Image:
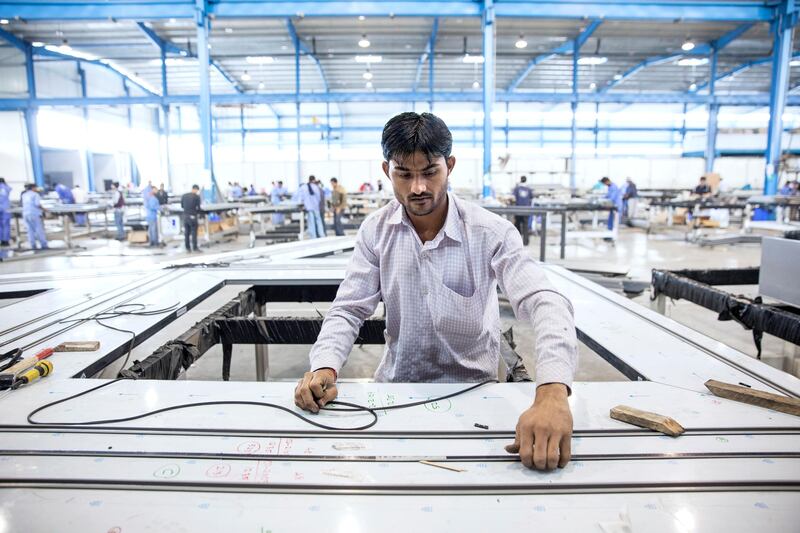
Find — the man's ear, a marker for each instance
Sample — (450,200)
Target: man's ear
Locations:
(451,162)
(385,166)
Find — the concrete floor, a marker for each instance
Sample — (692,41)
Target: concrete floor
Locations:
(634,252)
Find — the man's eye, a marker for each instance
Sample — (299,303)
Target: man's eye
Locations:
(430,174)
(405,176)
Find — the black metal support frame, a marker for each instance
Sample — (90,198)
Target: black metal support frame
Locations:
(697,286)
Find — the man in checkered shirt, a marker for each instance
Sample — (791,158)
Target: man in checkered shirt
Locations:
(436,261)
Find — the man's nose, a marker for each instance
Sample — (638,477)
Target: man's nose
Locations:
(418,186)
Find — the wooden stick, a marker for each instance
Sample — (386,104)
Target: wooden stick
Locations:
(446,467)
(87,346)
(784,404)
(662,424)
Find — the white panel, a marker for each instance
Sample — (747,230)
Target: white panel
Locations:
(14,154)
(57,79)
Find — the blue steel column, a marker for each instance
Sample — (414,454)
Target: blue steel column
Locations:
(488,93)
(30,120)
(430,69)
(165,112)
(88,152)
(134,170)
(204,103)
(573,160)
(782,50)
(298,146)
(713,110)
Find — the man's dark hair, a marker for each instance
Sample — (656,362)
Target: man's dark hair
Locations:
(30,186)
(410,132)
(334,180)
(280,183)
(2,180)
(523,179)
(702,178)
(197,187)
(605,180)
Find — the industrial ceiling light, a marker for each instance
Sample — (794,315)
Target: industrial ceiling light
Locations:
(687,46)
(369,59)
(617,77)
(367,75)
(521,42)
(260,60)
(592,86)
(261,85)
(692,61)
(228,30)
(472,59)
(4,21)
(592,60)
(364,42)
(246,76)
(368,85)
(693,87)
(476,85)
(37,44)
(361,17)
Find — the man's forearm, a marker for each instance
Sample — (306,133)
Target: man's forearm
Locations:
(335,340)
(556,341)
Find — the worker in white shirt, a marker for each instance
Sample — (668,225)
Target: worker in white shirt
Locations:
(436,261)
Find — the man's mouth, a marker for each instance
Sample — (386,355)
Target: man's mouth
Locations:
(419,199)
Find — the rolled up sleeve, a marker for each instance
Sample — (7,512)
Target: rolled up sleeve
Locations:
(534,299)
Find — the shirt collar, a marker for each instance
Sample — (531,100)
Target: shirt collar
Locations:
(452,224)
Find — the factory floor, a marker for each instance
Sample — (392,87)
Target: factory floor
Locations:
(635,253)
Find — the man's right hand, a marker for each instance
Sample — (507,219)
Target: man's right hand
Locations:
(315,390)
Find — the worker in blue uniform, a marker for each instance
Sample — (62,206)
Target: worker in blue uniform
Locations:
(614,193)
(276,196)
(152,206)
(5,213)
(32,211)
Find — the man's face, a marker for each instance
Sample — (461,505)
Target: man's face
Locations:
(419,184)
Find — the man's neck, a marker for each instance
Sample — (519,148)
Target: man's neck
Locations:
(428,226)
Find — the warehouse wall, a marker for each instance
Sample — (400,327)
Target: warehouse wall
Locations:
(14,155)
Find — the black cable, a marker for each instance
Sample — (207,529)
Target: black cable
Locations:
(348,407)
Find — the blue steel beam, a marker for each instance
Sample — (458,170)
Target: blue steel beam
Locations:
(41,51)
(731,10)
(428,53)
(565,48)
(9,104)
(713,111)
(204,102)
(739,68)
(89,158)
(701,49)
(782,51)
(488,27)
(304,49)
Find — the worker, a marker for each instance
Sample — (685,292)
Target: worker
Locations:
(786,190)
(523,196)
(118,203)
(630,195)
(322,203)
(613,193)
(436,261)
(152,208)
(236,191)
(190,202)
(252,191)
(276,195)
(32,211)
(338,204)
(162,195)
(80,198)
(310,196)
(146,191)
(5,213)
(702,187)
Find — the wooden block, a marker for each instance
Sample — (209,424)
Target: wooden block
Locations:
(662,424)
(87,346)
(737,393)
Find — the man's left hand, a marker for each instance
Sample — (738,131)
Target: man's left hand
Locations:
(544,430)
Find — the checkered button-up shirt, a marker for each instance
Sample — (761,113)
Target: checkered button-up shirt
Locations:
(442,313)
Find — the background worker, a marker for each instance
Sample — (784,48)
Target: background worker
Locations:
(118,203)
(5,213)
(190,202)
(310,195)
(338,204)
(436,262)
(276,196)
(614,193)
(152,207)
(32,212)
(162,195)
(523,196)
